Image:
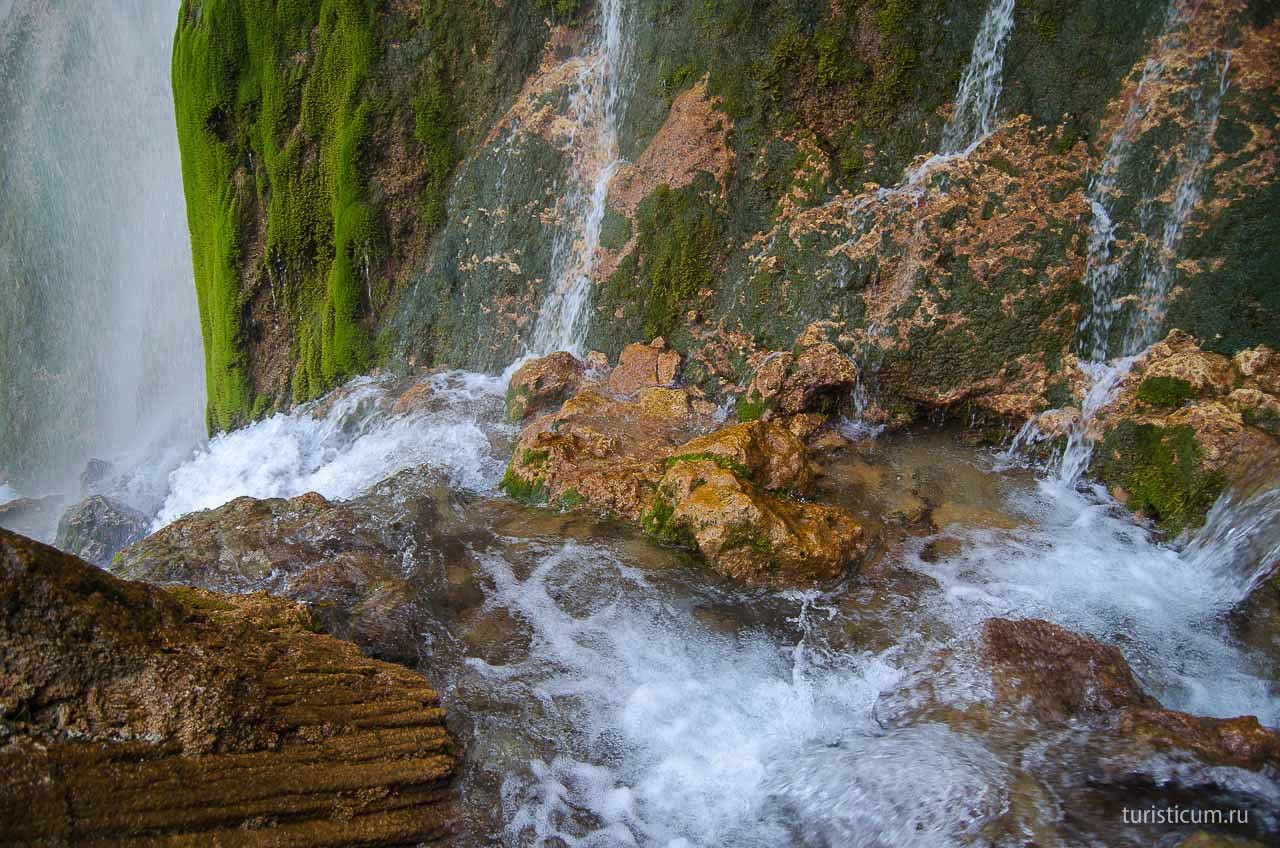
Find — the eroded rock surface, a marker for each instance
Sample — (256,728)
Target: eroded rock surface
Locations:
(97,528)
(543,383)
(135,715)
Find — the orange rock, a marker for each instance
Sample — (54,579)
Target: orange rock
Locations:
(641,366)
(543,383)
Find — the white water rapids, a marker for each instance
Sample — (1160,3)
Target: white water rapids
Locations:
(635,719)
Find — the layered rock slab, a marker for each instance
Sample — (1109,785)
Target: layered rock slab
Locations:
(139,716)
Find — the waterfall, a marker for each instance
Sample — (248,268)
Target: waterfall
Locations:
(99,331)
(973,118)
(1147,264)
(597,104)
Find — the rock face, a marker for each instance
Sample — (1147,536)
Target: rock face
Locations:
(136,714)
(303,548)
(31,516)
(1057,675)
(97,528)
(1183,424)
(729,493)
(543,383)
(814,377)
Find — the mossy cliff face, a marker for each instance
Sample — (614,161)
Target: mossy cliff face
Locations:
(317,139)
(757,141)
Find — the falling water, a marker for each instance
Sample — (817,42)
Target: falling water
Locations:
(1152,262)
(973,118)
(99,330)
(597,105)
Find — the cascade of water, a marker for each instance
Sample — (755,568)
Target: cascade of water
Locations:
(597,108)
(99,330)
(974,116)
(1105,269)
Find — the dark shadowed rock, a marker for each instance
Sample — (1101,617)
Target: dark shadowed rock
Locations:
(133,714)
(95,476)
(97,528)
(304,548)
(35,517)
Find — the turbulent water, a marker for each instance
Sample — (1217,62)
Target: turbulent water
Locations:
(638,700)
(597,105)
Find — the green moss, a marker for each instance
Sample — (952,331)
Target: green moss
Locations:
(744,535)
(1160,469)
(534,457)
(192,599)
(660,522)
(571,498)
(527,491)
(676,242)
(1165,391)
(434,131)
(724,462)
(751,408)
(271,115)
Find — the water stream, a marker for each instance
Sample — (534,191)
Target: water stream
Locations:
(597,106)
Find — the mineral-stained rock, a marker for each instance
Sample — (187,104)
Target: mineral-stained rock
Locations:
(304,548)
(1183,424)
(98,527)
(603,453)
(765,452)
(746,533)
(1055,675)
(641,366)
(813,378)
(96,473)
(543,383)
(133,715)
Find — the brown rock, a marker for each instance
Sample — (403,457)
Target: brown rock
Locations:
(766,452)
(602,453)
(641,366)
(304,548)
(749,535)
(414,399)
(949,513)
(1237,742)
(542,384)
(812,379)
(133,714)
(1056,674)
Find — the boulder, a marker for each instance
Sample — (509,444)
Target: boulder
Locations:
(35,517)
(642,366)
(542,384)
(603,453)
(305,549)
(97,528)
(131,713)
(765,452)
(1053,674)
(96,475)
(746,533)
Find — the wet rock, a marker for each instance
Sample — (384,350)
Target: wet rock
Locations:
(1055,674)
(34,517)
(1203,839)
(815,377)
(602,453)
(544,383)
(303,548)
(189,717)
(1184,424)
(416,398)
(641,366)
(767,453)
(97,528)
(748,534)
(96,474)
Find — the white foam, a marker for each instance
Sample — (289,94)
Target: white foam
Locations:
(669,733)
(8,493)
(1083,563)
(354,445)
